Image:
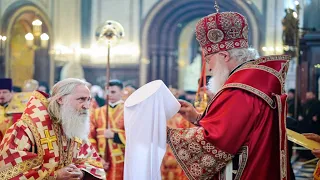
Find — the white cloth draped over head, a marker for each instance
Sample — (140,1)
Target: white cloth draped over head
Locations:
(145,114)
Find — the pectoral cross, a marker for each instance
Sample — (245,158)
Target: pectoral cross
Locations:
(48,139)
(79,141)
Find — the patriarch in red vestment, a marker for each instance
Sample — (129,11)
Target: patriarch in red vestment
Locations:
(241,134)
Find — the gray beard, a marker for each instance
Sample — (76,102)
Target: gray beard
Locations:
(74,124)
(218,80)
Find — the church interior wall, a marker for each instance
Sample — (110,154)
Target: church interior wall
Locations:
(67,22)
(19,61)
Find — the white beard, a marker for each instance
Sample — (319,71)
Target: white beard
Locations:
(220,75)
(74,123)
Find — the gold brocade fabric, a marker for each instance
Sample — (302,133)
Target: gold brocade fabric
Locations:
(18,102)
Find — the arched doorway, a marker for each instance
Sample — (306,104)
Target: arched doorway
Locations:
(162,29)
(23,62)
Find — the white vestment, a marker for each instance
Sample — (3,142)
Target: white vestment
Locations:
(145,114)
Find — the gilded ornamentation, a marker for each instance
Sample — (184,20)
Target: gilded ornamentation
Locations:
(26,119)
(48,139)
(243,153)
(215,35)
(28,164)
(233,33)
(42,98)
(252,90)
(95,163)
(222,31)
(245,32)
(196,155)
(20,168)
(283,153)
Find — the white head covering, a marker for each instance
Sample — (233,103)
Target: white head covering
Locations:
(145,114)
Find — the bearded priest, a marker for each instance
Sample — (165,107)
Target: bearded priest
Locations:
(51,139)
(242,133)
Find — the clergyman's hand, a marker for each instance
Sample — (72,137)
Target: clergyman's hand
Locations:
(109,134)
(314,137)
(105,165)
(69,172)
(188,111)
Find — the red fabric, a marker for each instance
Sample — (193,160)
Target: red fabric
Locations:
(16,117)
(270,83)
(222,31)
(247,117)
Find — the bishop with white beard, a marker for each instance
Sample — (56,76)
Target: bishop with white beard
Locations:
(242,133)
(51,139)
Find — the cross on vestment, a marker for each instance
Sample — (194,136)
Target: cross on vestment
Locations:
(234,33)
(48,139)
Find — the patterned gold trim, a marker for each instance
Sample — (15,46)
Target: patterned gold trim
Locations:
(20,168)
(244,153)
(280,134)
(285,125)
(271,58)
(95,163)
(266,69)
(209,104)
(41,97)
(263,68)
(252,90)
(283,154)
(57,130)
(80,160)
(282,71)
(26,119)
(28,164)
(117,155)
(197,157)
(92,140)
(70,153)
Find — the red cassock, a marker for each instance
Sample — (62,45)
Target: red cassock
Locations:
(244,124)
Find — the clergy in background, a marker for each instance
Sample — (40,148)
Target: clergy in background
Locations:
(5,98)
(242,133)
(50,141)
(11,105)
(110,136)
